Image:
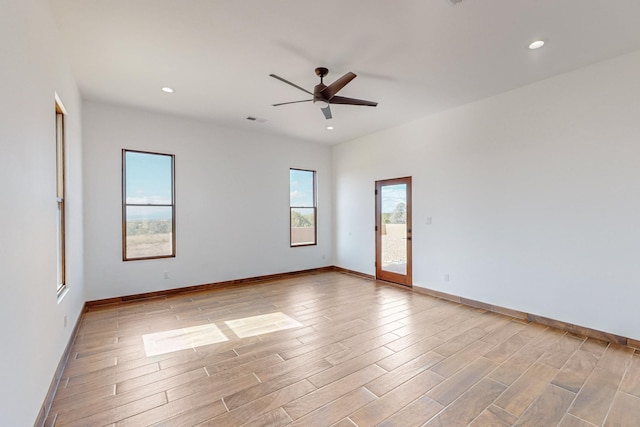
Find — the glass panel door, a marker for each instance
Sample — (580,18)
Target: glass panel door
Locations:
(393,230)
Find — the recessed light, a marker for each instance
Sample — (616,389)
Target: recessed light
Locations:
(536,44)
(167,90)
(329,127)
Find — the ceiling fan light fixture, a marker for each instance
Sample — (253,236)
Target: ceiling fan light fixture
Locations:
(320,103)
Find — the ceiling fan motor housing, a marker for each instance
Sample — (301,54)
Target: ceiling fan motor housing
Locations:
(317,92)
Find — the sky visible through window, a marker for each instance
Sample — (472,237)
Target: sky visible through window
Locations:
(392,195)
(148,181)
(301,188)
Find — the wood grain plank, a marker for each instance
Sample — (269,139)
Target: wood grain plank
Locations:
(549,408)
(276,418)
(245,396)
(394,378)
(461,341)
(576,371)
(571,421)
(503,333)
(631,381)
(403,356)
(390,403)
(595,397)
(526,389)
(276,370)
(504,350)
(359,349)
(114,414)
(494,416)
(261,406)
(346,422)
(454,363)
(338,409)
(516,365)
(338,371)
(451,388)
(212,404)
(312,401)
(558,354)
(624,412)
(414,414)
(212,387)
(469,405)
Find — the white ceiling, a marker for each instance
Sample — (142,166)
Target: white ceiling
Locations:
(415,57)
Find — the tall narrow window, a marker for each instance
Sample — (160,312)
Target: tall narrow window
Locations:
(60,198)
(302,207)
(148,208)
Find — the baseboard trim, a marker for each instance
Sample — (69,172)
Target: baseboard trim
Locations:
(55,382)
(203,287)
(558,324)
(353,273)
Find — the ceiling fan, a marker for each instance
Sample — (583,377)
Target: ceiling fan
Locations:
(324,95)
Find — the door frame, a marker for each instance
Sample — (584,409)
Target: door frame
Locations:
(381,274)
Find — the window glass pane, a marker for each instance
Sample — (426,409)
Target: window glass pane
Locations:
(303,230)
(60,235)
(393,240)
(59,156)
(149,231)
(148,178)
(301,188)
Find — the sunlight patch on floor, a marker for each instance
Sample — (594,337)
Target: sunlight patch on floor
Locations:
(262,324)
(182,339)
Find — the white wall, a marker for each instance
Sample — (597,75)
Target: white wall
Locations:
(232,202)
(534,195)
(33,332)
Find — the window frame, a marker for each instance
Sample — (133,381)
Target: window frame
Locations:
(61,267)
(125,205)
(315,210)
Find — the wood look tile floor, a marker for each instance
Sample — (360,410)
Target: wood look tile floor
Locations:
(329,349)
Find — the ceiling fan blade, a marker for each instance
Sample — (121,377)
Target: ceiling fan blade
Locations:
(334,87)
(289,83)
(292,102)
(351,101)
(327,112)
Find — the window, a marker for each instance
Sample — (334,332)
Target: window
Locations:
(302,207)
(60,198)
(148,208)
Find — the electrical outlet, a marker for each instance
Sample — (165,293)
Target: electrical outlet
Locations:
(65,322)
(428,221)
(446,278)
(166,274)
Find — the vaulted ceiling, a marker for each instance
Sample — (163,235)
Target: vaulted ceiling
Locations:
(414,57)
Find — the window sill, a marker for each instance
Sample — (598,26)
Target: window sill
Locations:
(63,292)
